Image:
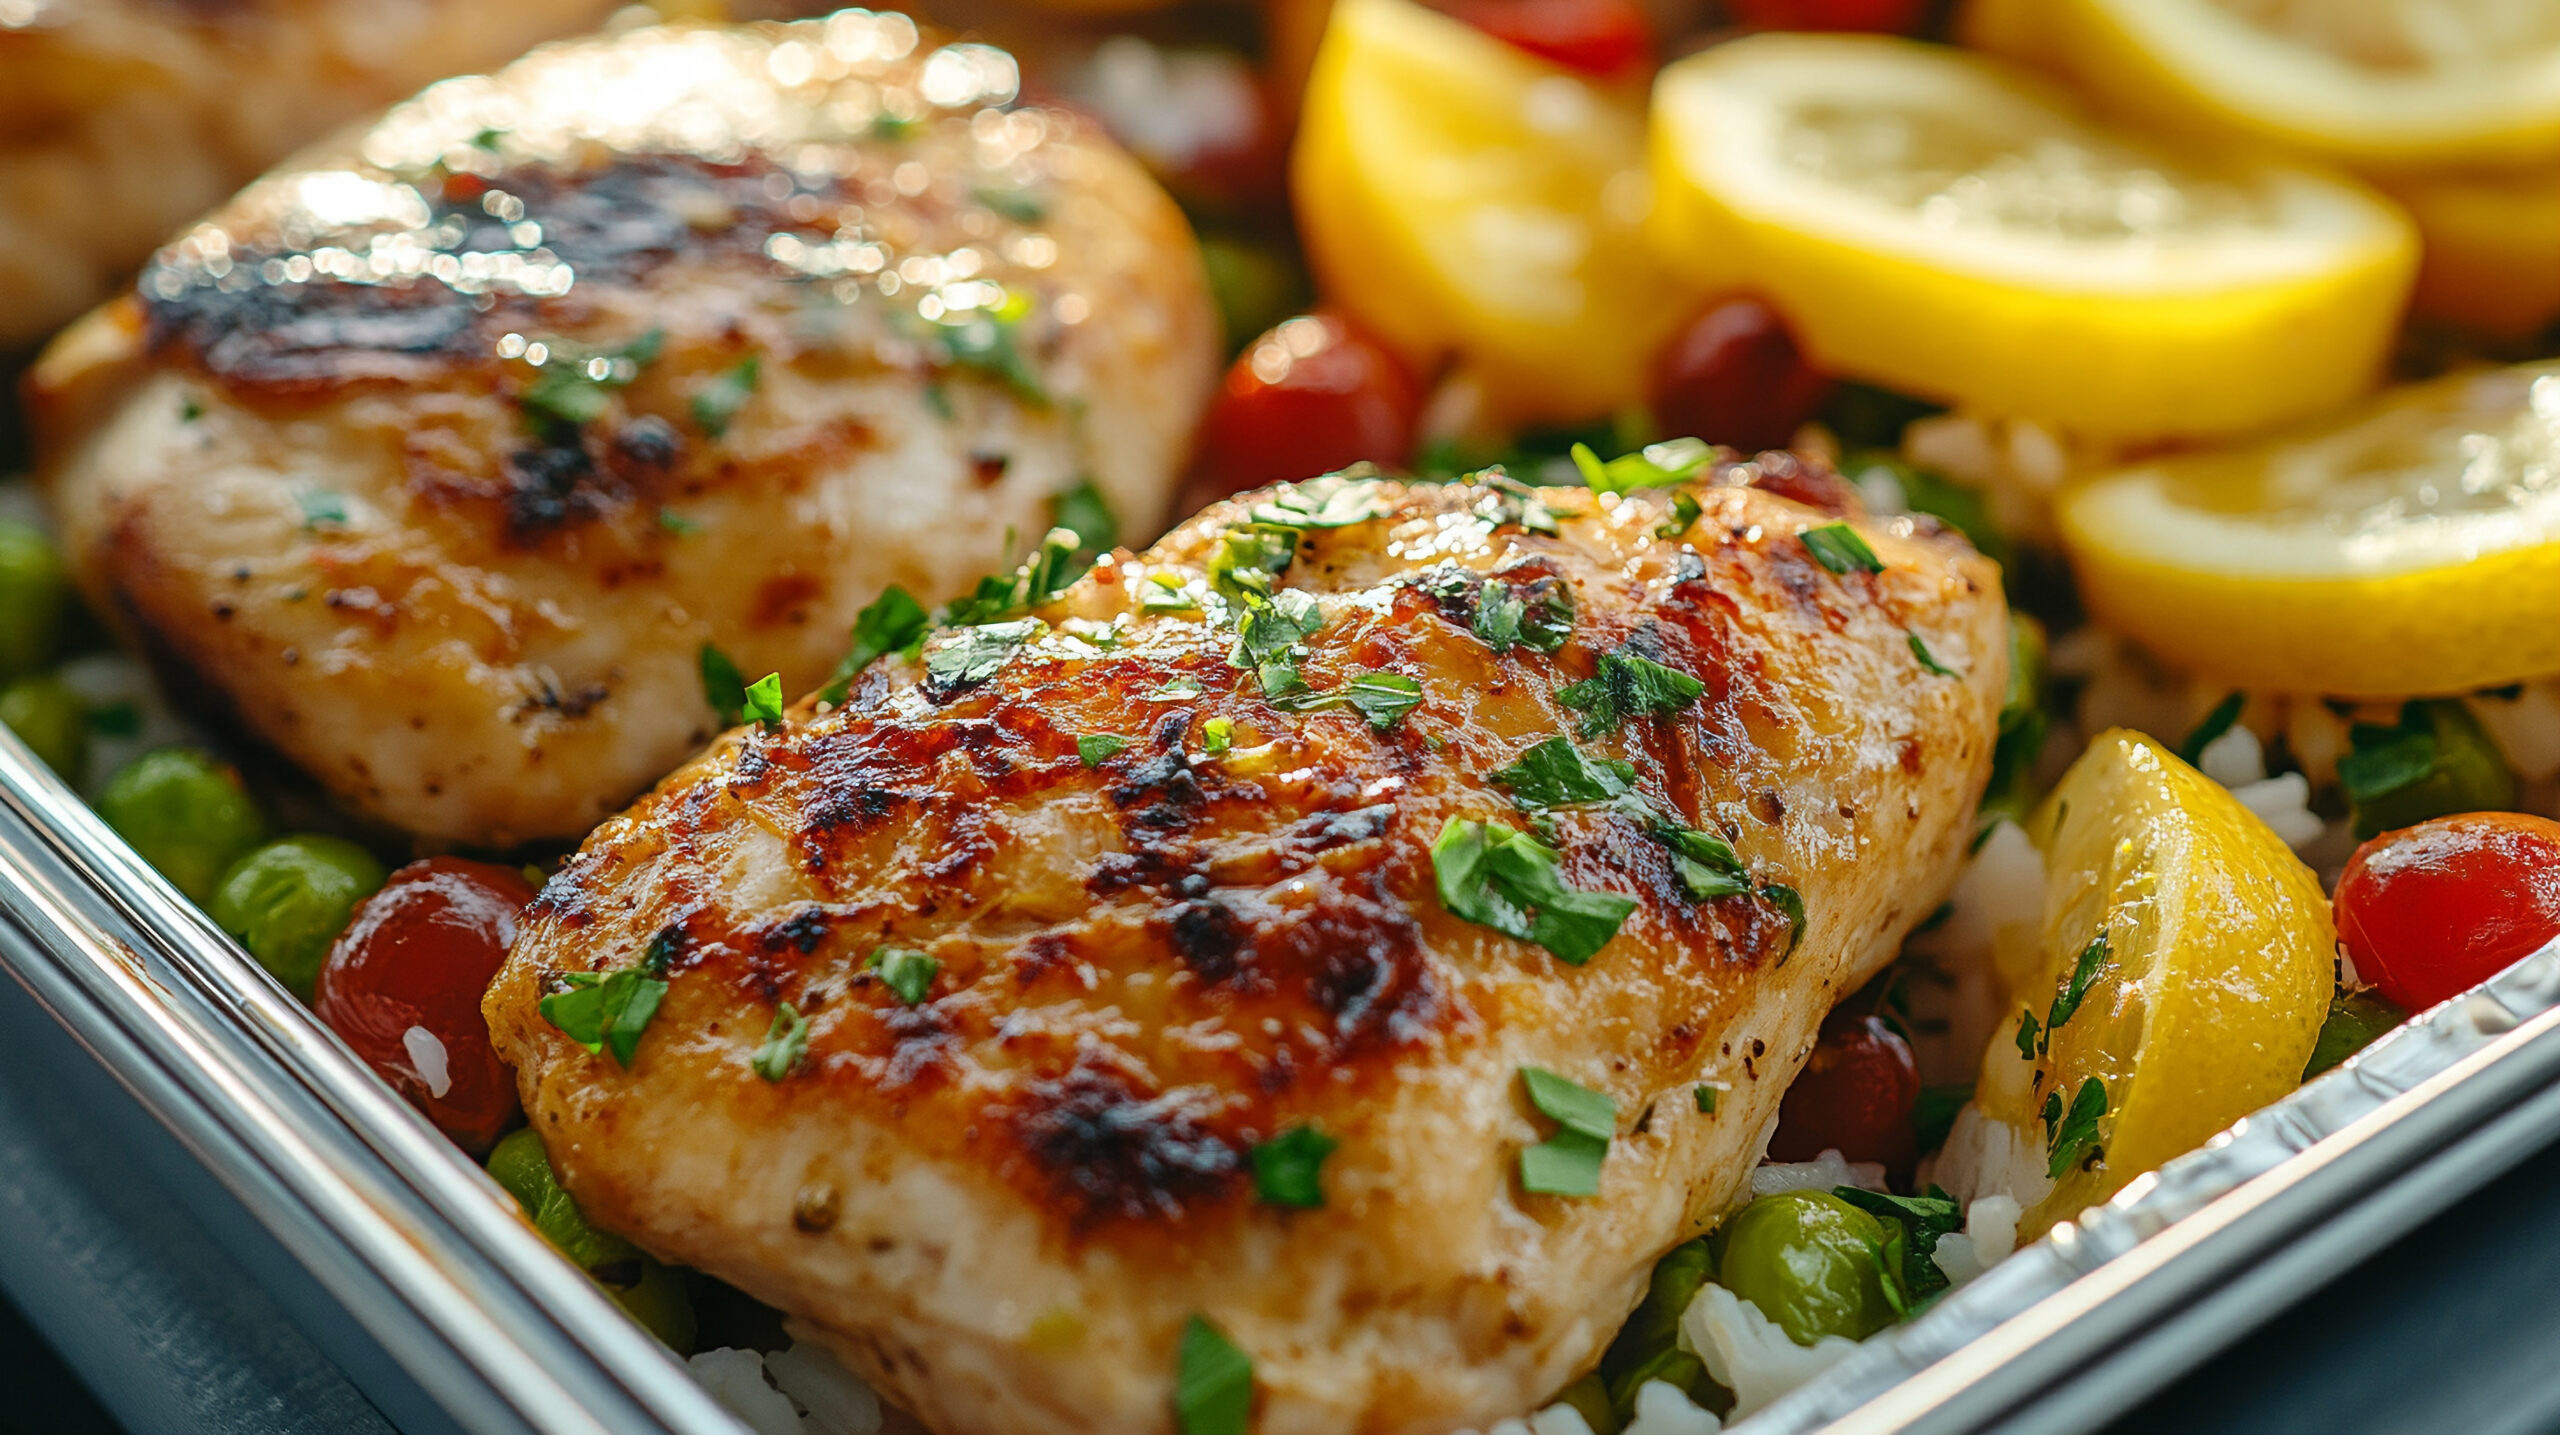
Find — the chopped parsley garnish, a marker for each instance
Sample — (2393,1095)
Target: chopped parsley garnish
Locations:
(1567,1163)
(1708,867)
(1504,618)
(1684,516)
(1706,1093)
(1838,547)
(2436,760)
(1790,905)
(1174,690)
(2225,714)
(670,521)
(575,387)
(1514,502)
(1044,575)
(764,701)
(1217,735)
(1249,557)
(1929,661)
(905,971)
(717,403)
(2071,1136)
(2075,987)
(723,686)
(1084,512)
(786,1044)
(1652,466)
(1382,698)
(1166,593)
(990,341)
(1918,1223)
(1286,1168)
(1629,685)
(1337,500)
(321,509)
(967,657)
(607,1011)
(1268,632)
(1212,1383)
(1505,879)
(1096,748)
(888,623)
(1555,773)
(2030,1043)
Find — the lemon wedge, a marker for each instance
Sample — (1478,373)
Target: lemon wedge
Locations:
(1464,200)
(1942,224)
(2403,84)
(2187,971)
(2410,547)
(2492,244)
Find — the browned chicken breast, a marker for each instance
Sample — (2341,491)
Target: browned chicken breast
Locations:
(437,456)
(122,119)
(1110,955)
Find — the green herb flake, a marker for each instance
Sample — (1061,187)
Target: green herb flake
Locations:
(2076,1137)
(575,386)
(1174,690)
(1212,1383)
(2030,1044)
(1706,1093)
(2075,986)
(905,971)
(969,656)
(116,719)
(1508,880)
(1166,593)
(1790,904)
(608,1011)
(1084,512)
(1574,1107)
(888,623)
(1654,465)
(764,701)
(1096,748)
(1217,735)
(1684,516)
(1567,1163)
(989,341)
(1540,621)
(1287,1168)
(1629,685)
(717,404)
(1838,547)
(1929,661)
(1337,500)
(1917,1224)
(2224,716)
(723,686)
(1382,698)
(1249,557)
(786,1044)
(1555,773)
(321,510)
(1269,630)
(1040,578)
(670,521)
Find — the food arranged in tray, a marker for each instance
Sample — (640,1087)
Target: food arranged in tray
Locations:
(1803,637)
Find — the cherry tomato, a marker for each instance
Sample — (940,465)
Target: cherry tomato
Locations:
(1894,17)
(1606,39)
(1310,396)
(1733,375)
(1855,1097)
(2432,910)
(403,985)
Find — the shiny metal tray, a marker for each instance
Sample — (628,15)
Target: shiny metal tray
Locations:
(416,1255)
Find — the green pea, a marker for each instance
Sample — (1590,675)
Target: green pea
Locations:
(50,718)
(2355,1019)
(651,1291)
(35,600)
(287,901)
(1809,1261)
(186,813)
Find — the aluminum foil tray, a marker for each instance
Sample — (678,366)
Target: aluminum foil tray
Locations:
(416,1256)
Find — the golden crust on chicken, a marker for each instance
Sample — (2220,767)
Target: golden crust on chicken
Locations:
(1335,812)
(437,456)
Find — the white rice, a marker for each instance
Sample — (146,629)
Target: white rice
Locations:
(1822,1173)
(1750,1354)
(798,1390)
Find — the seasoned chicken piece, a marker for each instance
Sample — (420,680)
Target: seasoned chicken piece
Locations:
(122,119)
(437,456)
(1088,933)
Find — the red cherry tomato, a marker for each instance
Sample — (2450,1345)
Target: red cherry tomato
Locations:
(1733,375)
(403,986)
(1310,396)
(1606,39)
(1855,1097)
(2433,910)
(1895,17)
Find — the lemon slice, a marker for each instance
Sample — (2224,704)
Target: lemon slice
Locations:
(1465,200)
(1939,223)
(2205,998)
(2413,547)
(2492,244)
(2392,83)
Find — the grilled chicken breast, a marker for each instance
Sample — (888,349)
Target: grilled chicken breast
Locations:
(437,456)
(1169,918)
(122,119)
